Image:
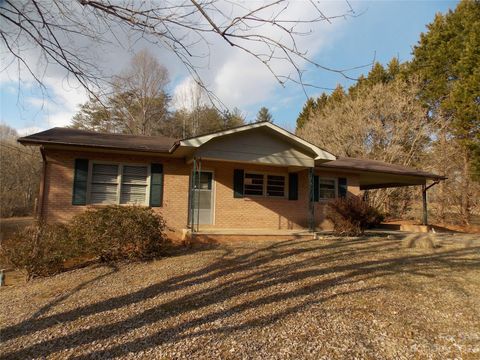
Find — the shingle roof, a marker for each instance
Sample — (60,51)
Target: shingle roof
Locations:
(378,166)
(68,136)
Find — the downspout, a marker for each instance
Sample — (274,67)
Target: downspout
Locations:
(424,201)
(43,186)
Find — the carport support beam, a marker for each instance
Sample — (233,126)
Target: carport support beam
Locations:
(424,201)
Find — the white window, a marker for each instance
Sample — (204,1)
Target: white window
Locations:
(264,185)
(327,188)
(119,184)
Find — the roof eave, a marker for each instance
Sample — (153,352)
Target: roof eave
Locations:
(24,141)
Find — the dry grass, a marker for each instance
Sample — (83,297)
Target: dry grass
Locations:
(328,298)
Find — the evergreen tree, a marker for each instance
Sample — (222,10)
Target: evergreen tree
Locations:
(306,112)
(337,95)
(393,69)
(447,59)
(94,116)
(264,115)
(233,118)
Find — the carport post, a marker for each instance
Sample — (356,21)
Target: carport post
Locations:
(424,201)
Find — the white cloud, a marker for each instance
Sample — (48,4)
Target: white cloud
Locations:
(241,80)
(29,130)
(235,77)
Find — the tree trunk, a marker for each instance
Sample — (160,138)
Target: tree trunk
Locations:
(465,211)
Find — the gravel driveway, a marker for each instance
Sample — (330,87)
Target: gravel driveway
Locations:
(328,298)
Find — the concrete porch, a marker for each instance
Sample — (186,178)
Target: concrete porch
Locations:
(235,235)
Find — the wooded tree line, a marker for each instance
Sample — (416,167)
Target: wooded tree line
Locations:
(424,112)
(19,175)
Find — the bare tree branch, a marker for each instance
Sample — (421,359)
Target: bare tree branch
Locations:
(185,28)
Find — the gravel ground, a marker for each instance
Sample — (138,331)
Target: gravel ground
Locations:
(328,298)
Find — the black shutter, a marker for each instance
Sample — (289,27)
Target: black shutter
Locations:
(316,190)
(156,185)
(342,187)
(293,186)
(238,183)
(79,196)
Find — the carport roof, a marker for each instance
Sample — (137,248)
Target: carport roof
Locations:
(374,174)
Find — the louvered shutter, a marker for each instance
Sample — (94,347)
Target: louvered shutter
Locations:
(342,187)
(316,190)
(238,183)
(79,196)
(293,186)
(156,185)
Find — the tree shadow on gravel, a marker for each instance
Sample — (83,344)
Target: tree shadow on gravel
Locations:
(307,272)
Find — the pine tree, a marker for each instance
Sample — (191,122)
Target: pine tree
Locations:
(447,59)
(264,115)
(337,95)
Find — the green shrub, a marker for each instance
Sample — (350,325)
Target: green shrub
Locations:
(109,233)
(351,216)
(119,232)
(39,249)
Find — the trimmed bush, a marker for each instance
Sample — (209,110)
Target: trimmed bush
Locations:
(119,232)
(351,216)
(109,233)
(39,249)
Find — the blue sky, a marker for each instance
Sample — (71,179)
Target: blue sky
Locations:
(384,29)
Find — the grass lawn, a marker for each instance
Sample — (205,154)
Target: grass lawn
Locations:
(328,298)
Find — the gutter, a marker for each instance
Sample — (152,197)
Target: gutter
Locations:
(26,142)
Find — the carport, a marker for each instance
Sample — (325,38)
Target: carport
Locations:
(375,174)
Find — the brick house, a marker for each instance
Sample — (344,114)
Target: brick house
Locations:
(256,177)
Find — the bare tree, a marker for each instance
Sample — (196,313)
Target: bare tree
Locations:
(383,122)
(137,105)
(19,175)
(189,100)
(140,101)
(185,28)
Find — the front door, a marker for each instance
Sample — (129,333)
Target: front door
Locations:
(202,201)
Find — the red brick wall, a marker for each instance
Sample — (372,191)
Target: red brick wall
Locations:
(230,212)
(59,184)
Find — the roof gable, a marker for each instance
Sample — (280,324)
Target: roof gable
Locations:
(316,152)
(255,146)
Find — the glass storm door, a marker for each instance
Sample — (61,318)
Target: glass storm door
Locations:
(202,198)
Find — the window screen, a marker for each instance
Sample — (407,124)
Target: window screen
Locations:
(253,184)
(328,188)
(275,185)
(114,184)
